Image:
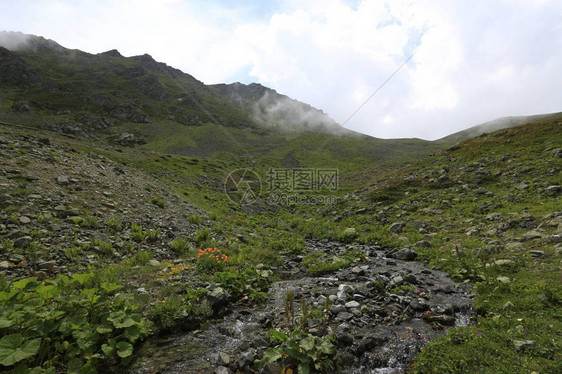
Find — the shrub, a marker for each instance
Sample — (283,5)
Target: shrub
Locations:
(152,235)
(70,324)
(159,203)
(195,219)
(298,349)
(89,222)
(137,234)
(114,224)
(211,260)
(179,244)
(202,235)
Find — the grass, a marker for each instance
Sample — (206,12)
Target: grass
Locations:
(436,212)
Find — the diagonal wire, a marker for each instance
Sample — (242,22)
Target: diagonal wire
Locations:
(327,136)
(378,89)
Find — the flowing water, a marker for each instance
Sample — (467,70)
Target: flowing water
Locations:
(378,332)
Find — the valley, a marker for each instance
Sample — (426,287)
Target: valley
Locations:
(122,248)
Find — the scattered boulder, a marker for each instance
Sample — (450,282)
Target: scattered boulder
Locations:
(406,254)
(396,227)
(23,241)
(523,345)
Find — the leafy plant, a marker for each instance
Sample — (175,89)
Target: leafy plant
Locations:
(114,224)
(195,219)
(211,260)
(152,235)
(179,244)
(300,352)
(89,222)
(202,235)
(137,233)
(158,202)
(67,322)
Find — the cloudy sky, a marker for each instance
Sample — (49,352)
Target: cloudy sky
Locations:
(473,61)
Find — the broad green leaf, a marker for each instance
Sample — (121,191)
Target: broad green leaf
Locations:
(326,347)
(82,278)
(77,321)
(107,349)
(20,369)
(5,323)
(127,322)
(46,291)
(23,283)
(307,343)
(270,356)
(276,336)
(124,349)
(110,287)
(14,348)
(132,333)
(104,329)
(33,303)
(304,369)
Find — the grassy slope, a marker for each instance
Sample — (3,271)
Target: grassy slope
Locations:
(439,214)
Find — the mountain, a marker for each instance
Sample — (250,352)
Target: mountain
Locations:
(163,252)
(494,125)
(106,95)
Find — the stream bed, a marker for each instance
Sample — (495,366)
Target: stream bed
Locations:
(382,310)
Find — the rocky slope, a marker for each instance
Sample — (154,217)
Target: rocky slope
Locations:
(66,206)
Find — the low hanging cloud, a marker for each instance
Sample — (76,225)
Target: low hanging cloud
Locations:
(289,115)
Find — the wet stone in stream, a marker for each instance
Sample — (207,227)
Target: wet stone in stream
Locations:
(376,330)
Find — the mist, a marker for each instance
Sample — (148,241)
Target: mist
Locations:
(288,115)
(18,41)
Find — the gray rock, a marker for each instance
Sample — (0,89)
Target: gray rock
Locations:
(553,190)
(246,359)
(522,345)
(410,278)
(337,309)
(531,235)
(63,180)
(47,265)
(154,263)
(22,241)
(522,186)
(352,304)
(222,370)
(5,265)
(223,359)
(396,227)
(442,319)
(346,288)
(218,298)
(344,316)
(24,220)
(504,262)
(503,279)
(537,253)
(343,339)
(397,280)
(406,255)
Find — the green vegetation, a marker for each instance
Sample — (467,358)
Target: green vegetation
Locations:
(179,244)
(195,219)
(74,323)
(202,235)
(470,210)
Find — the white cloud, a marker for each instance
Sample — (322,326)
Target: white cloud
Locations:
(474,61)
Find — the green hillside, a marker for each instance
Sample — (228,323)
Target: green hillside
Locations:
(211,240)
